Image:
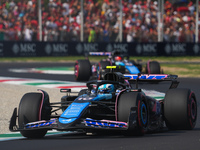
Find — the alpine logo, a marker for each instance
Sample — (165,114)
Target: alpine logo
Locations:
(104,123)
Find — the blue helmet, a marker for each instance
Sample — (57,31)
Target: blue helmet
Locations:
(106,88)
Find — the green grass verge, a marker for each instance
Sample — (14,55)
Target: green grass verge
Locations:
(182,70)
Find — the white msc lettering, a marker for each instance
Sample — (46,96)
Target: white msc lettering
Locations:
(178,47)
(90,47)
(60,48)
(121,47)
(149,48)
(28,48)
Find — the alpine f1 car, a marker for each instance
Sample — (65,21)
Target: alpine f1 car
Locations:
(111,104)
(83,69)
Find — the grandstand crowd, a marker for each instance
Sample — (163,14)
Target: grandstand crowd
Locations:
(61,21)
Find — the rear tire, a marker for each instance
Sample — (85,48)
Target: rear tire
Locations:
(101,69)
(180,109)
(125,102)
(33,107)
(153,67)
(82,70)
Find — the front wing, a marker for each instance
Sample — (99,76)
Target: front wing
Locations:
(83,123)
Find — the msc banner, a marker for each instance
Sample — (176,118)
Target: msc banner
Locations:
(39,49)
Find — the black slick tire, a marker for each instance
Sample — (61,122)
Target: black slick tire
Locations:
(127,101)
(180,109)
(82,70)
(153,67)
(33,107)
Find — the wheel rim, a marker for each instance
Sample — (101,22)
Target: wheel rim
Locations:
(76,70)
(193,109)
(144,116)
(98,72)
(148,67)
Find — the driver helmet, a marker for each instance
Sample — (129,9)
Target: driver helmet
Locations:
(118,58)
(106,88)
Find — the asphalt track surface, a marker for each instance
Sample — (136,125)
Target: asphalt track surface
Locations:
(165,140)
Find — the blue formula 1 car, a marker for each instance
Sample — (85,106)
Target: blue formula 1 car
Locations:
(111,104)
(83,69)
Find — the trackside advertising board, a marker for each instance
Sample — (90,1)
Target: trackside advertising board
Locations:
(40,49)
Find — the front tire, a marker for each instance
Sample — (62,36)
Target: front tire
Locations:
(180,109)
(33,107)
(130,100)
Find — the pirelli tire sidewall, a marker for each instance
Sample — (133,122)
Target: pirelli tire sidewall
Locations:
(180,109)
(153,67)
(33,107)
(125,102)
(82,70)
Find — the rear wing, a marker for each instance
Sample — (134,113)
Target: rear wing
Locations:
(100,53)
(138,78)
(115,53)
(152,78)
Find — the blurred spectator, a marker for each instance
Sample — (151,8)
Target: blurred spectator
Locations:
(2,29)
(114,34)
(92,35)
(166,36)
(61,20)
(28,33)
(62,33)
(99,33)
(153,35)
(106,33)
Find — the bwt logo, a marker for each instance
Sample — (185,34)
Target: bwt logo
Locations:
(86,47)
(24,48)
(56,48)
